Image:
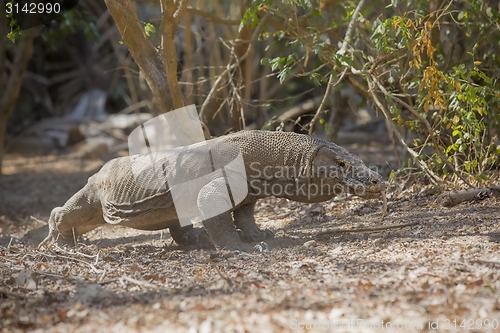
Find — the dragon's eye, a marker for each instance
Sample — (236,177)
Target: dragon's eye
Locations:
(342,164)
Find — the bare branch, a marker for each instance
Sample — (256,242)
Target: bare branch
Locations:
(211,17)
(233,65)
(299,110)
(187,73)
(424,121)
(141,283)
(456,197)
(433,177)
(321,107)
(350,28)
(179,12)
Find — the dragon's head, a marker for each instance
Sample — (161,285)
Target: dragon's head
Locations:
(334,166)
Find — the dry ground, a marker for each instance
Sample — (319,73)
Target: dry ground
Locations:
(441,271)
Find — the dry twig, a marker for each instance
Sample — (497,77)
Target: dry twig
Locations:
(374,229)
(457,197)
(140,283)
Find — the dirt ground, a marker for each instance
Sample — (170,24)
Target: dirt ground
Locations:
(440,272)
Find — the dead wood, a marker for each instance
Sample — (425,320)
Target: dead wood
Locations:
(456,197)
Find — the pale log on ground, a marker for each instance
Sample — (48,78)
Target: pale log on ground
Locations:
(456,197)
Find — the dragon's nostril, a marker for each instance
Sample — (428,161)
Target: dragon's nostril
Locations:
(374,181)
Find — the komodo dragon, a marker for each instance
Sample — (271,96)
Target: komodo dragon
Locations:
(280,164)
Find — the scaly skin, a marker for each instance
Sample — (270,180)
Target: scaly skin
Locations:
(302,168)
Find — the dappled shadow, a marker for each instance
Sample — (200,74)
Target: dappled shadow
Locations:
(27,194)
(457,221)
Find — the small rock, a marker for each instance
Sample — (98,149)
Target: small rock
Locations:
(311,243)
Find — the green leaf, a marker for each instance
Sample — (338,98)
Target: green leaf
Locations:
(149,29)
(283,74)
(276,63)
(392,175)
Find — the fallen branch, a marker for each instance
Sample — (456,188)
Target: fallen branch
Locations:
(375,229)
(475,194)
(68,256)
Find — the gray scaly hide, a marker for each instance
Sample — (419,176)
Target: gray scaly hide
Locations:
(134,192)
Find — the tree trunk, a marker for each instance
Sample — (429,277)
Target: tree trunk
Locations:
(12,84)
(150,61)
(3,47)
(170,20)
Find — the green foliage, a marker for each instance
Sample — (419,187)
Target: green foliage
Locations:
(283,65)
(14,33)
(15,30)
(455,100)
(149,29)
(71,22)
(251,15)
(431,69)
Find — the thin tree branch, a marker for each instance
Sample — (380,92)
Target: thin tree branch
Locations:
(321,107)
(350,28)
(342,51)
(211,17)
(14,83)
(179,12)
(433,177)
(427,125)
(214,88)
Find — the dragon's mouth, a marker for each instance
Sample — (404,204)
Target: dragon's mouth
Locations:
(361,189)
(370,192)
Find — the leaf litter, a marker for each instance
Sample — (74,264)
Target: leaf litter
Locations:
(443,264)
